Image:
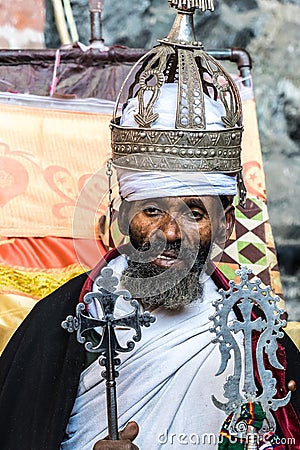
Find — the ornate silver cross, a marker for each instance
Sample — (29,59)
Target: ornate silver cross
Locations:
(240,387)
(108,346)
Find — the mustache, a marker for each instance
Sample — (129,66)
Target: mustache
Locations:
(159,244)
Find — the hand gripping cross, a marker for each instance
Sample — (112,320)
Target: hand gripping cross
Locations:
(108,345)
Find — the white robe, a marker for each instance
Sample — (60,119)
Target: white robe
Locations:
(165,383)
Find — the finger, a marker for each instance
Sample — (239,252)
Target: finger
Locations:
(115,445)
(130,431)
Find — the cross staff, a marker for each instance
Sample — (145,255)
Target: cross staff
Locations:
(245,296)
(108,346)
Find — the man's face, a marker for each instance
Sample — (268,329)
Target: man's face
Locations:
(171,239)
(185,221)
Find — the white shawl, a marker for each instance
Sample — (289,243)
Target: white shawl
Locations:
(165,384)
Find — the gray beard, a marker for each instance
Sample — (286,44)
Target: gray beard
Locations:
(170,294)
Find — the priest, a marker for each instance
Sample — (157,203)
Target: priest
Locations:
(176,149)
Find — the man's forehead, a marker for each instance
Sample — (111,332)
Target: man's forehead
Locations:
(203,201)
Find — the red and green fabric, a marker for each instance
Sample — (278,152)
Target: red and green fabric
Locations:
(251,414)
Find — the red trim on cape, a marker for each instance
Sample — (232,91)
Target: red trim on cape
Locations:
(286,416)
(88,285)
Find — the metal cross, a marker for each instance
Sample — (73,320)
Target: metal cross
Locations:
(245,296)
(108,346)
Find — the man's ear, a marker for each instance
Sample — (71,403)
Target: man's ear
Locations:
(123,217)
(230,220)
(225,225)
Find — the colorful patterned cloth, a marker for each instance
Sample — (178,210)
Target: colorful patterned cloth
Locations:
(251,414)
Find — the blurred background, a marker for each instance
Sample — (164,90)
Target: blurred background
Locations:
(268,29)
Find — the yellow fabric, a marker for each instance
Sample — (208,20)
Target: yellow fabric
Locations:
(46,156)
(20,288)
(293,330)
(13,309)
(35,283)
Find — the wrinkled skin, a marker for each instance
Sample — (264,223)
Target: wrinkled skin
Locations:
(193,222)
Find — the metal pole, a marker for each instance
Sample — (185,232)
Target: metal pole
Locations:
(111,395)
(96,26)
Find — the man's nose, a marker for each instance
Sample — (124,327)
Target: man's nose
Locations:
(170,227)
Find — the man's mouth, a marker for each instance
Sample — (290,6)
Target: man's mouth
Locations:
(167,259)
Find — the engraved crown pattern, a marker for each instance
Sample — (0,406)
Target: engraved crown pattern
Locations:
(180,60)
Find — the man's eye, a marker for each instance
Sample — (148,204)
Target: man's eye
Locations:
(196,214)
(152,211)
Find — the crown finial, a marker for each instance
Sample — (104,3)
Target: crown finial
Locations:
(190,5)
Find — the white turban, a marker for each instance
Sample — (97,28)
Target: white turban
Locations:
(166,106)
(138,185)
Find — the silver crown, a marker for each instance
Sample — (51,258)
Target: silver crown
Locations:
(181,59)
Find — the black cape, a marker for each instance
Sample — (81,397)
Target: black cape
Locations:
(39,374)
(40,370)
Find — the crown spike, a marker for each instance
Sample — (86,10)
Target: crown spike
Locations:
(189,5)
(183,28)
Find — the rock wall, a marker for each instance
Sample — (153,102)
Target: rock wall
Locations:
(276,56)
